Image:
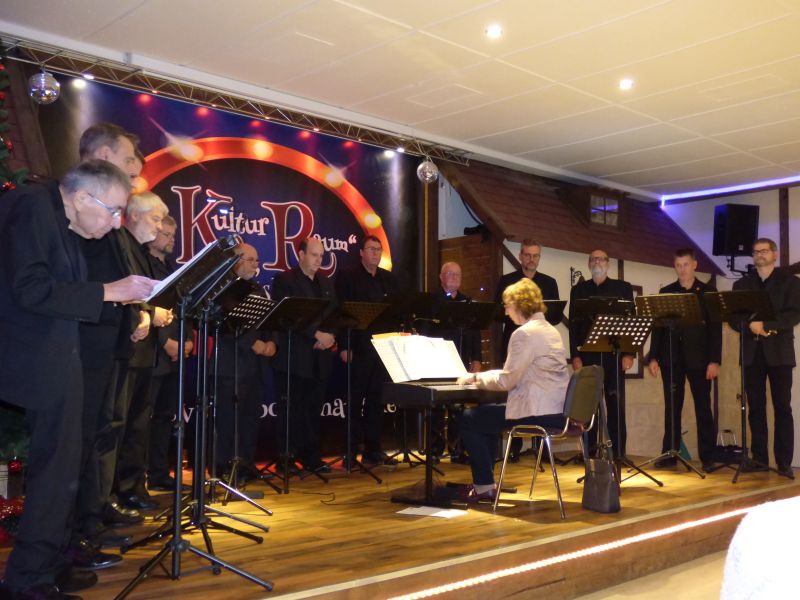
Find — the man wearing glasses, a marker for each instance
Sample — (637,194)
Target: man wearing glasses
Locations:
(45,293)
(601,285)
(769,354)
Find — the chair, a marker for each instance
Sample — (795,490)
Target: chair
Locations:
(584,392)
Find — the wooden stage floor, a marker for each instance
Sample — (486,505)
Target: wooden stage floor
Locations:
(345,539)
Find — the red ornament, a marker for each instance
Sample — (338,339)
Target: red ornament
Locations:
(15,466)
(2,96)
(9,145)
(2,67)
(7,186)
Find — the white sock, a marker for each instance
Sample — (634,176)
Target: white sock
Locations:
(482,489)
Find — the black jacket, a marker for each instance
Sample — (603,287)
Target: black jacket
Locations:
(698,345)
(305,360)
(579,327)
(547,284)
(44,293)
(144,351)
(783,290)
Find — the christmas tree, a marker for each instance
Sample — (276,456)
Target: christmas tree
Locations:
(9,177)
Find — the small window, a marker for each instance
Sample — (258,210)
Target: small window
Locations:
(604,211)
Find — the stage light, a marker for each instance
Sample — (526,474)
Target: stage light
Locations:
(494,31)
(79,84)
(388,153)
(316,129)
(400,149)
(88,76)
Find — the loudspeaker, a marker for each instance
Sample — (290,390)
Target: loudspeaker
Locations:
(735,229)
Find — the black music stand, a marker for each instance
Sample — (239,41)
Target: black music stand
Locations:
(289,315)
(186,289)
(738,308)
(618,334)
(671,311)
(354,316)
(242,317)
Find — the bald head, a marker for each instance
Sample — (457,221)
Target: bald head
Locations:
(247,267)
(310,256)
(450,277)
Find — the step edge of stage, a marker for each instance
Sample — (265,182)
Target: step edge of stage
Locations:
(500,551)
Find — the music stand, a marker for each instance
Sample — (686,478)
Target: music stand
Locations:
(241,318)
(354,316)
(671,311)
(618,334)
(738,308)
(291,314)
(186,289)
(555,311)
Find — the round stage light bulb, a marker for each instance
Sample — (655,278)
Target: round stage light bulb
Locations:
(262,150)
(372,221)
(334,177)
(43,88)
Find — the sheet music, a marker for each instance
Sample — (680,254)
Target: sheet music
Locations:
(412,357)
(176,274)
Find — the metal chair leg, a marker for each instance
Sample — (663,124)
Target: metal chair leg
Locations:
(509,437)
(555,478)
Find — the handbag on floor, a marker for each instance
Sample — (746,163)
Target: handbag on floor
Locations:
(600,486)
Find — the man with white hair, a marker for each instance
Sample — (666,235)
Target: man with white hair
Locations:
(44,294)
(143,218)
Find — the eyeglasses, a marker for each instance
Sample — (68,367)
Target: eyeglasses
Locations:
(763,251)
(114,211)
(593,259)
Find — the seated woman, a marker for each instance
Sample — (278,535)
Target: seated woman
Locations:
(536,377)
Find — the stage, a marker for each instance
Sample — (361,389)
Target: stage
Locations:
(345,539)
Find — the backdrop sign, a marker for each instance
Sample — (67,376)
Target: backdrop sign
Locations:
(274,185)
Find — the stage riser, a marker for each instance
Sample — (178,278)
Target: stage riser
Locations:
(579,575)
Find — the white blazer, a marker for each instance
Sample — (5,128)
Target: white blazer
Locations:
(535,373)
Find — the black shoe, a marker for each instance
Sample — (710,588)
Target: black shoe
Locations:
(378,458)
(45,591)
(72,580)
(85,556)
(115,515)
(137,502)
(668,462)
(109,539)
(786,471)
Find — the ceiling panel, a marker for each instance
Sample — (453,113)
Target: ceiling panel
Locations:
(63,17)
(417,13)
(783,154)
(591,124)
(719,165)
(764,135)
(745,176)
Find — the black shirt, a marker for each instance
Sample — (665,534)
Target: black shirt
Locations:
(547,284)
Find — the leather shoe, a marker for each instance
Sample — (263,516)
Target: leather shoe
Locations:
(752,467)
(668,462)
(115,515)
(137,502)
(85,556)
(470,496)
(785,471)
(72,580)
(45,591)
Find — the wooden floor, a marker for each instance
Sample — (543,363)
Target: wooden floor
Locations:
(327,539)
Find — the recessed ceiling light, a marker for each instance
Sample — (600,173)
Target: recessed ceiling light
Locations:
(494,31)
(88,76)
(626,83)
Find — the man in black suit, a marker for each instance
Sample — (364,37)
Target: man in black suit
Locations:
(144,215)
(601,285)
(530,253)
(44,294)
(241,370)
(311,357)
(696,356)
(367,282)
(769,354)
(164,385)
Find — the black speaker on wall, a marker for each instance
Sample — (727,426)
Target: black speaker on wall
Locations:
(735,229)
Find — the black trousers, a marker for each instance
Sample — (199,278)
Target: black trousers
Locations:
(368,377)
(615,407)
(132,463)
(164,389)
(305,405)
(780,384)
(101,438)
(50,487)
(250,398)
(701,394)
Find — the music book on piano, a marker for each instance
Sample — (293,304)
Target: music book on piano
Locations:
(413,357)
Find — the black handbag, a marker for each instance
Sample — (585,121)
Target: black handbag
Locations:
(600,486)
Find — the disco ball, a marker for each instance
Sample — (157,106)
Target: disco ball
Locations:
(427,171)
(43,88)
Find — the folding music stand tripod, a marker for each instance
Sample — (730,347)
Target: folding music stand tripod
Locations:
(243,316)
(185,289)
(671,311)
(354,316)
(738,308)
(618,334)
(289,315)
